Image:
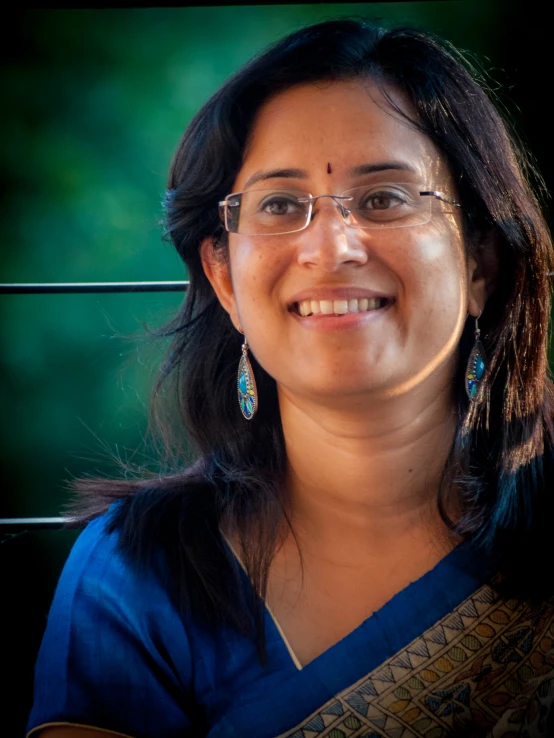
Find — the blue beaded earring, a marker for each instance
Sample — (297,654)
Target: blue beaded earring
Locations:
(246,385)
(476,366)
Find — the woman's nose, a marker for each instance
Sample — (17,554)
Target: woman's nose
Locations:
(329,242)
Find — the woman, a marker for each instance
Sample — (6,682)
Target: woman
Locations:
(357,548)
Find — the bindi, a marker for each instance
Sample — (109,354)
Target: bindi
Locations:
(328,168)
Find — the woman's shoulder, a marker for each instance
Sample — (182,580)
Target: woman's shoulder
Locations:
(113,637)
(124,538)
(100,580)
(98,535)
(98,552)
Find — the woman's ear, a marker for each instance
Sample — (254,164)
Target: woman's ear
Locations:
(482,273)
(216,268)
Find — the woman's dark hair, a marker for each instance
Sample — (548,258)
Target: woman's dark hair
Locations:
(500,462)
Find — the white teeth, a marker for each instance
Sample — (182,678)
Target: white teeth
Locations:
(339,307)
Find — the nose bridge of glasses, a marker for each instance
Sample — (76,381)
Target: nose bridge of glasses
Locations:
(341,202)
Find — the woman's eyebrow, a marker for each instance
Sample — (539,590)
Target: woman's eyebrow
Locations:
(382,167)
(276,173)
(353,172)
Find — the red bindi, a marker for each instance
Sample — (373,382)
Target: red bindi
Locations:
(328,168)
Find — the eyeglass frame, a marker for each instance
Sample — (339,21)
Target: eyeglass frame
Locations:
(224,204)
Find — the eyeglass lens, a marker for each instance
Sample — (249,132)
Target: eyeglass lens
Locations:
(379,205)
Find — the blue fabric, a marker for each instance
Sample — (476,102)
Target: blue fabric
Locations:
(117,655)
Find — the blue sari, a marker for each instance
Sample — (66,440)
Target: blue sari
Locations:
(445,656)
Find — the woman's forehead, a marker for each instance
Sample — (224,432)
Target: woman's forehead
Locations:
(345,124)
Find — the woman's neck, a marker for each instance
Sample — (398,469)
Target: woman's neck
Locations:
(367,478)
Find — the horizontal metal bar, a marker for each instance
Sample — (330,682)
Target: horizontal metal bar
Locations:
(14,525)
(82,287)
(91,287)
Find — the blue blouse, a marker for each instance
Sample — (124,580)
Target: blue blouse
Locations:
(116,654)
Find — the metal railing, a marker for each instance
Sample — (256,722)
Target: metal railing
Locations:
(87,287)
(12,527)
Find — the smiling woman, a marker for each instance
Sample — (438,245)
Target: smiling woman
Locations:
(361,365)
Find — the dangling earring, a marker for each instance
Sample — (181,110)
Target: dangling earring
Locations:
(246,385)
(476,366)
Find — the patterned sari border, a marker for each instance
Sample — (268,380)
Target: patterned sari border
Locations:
(488,663)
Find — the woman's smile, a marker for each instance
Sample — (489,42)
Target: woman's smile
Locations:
(337,311)
(308,308)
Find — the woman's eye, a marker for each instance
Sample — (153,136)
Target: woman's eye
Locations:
(382,201)
(279,206)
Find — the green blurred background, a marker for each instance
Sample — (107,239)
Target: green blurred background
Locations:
(94,104)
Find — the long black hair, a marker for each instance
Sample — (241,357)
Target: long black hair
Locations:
(233,479)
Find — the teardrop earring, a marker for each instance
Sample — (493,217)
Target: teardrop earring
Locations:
(476,365)
(246,385)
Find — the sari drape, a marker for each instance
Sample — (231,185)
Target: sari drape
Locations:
(444,657)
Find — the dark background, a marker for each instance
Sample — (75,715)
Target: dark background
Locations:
(94,103)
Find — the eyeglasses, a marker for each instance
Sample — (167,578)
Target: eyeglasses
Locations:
(379,205)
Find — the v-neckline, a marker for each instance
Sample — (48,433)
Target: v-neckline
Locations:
(461,555)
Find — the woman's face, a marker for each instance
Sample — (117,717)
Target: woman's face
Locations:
(419,273)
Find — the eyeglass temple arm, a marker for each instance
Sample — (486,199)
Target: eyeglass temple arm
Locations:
(441,196)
